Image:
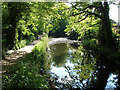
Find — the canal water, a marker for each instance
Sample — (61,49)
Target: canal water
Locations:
(70,68)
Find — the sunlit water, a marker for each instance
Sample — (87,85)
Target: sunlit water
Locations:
(61,71)
(61,55)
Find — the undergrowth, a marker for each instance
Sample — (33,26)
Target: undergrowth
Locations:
(23,42)
(28,72)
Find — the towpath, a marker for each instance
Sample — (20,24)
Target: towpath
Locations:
(15,55)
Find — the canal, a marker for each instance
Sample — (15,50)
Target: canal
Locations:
(73,68)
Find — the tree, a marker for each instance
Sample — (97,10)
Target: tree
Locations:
(23,20)
(106,45)
(12,13)
(99,10)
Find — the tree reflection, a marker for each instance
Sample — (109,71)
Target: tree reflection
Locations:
(59,54)
(88,71)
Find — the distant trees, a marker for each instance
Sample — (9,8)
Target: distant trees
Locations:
(58,21)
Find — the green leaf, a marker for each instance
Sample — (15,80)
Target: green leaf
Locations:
(6,77)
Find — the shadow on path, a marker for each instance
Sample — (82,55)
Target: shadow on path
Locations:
(16,55)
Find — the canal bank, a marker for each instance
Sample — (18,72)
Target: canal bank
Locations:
(69,67)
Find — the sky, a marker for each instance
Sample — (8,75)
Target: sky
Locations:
(113,12)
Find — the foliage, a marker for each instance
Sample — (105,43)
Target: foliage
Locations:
(85,62)
(23,21)
(116,31)
(30,20)
(91,22)
(28,72)
(88,22)
(58,20)
(85,29)
(12,13)
(39,53)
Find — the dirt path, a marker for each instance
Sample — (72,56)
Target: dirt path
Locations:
(15,55)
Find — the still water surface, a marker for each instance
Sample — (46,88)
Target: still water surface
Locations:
(62,56)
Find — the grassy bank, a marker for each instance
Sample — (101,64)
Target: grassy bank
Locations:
(28,72)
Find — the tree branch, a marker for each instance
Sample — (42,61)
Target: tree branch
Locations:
(78,13)
(82,19)
(90,7)
(96,24)
(95,15)
(90,13)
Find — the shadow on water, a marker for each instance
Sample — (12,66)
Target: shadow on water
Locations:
(76,68)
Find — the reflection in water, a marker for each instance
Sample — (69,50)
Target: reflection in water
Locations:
(77,68)
(111,81)
(59,53)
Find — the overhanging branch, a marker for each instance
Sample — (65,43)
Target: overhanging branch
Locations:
(96,24)
(78,13)
(89,7)
(89,13)
(83,18)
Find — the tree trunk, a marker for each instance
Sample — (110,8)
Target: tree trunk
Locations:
(11,32)
(106,28)
(102,76)
(107,41)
